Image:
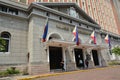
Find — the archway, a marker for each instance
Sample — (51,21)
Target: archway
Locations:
(55,52)
(54,35)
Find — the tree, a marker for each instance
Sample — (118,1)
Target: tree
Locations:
(116,50)
(2,44)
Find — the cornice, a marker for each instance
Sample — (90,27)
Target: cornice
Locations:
(33,5)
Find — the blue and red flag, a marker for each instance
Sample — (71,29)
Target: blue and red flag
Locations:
(107,40)
(45,32)
(75,32)
(93,36)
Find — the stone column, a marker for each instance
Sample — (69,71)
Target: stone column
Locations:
(103,61)
(91,62)
(70,63)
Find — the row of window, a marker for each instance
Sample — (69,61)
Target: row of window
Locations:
(70,21)
(8,10)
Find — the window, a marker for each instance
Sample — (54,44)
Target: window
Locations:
(50,0)
(23,1)
(39,1)
(60,18)
(47,14)
(6,38)
(13,11)
(4,9)
(8,10)
(61,0)
(79,24)
(70,21)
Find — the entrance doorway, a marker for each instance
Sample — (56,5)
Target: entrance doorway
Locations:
(95,57)
(55,57)
(79,58)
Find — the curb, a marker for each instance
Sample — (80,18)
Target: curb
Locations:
(57,74)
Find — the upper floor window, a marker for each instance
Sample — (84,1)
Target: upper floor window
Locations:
(50,0)
(4,43)
(8,10)
(39,0)
(23,1)
(61,1)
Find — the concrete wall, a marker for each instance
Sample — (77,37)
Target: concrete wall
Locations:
(18,28)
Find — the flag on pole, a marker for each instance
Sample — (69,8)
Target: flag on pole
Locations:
(75,33)
(45,32)
(107,40)
(93,36)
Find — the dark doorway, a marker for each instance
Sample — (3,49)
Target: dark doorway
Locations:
(79,58)
(95,57)
(55,57)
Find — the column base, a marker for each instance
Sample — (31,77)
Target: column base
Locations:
(38,68)
(91,64)
(104,63)
(70,67)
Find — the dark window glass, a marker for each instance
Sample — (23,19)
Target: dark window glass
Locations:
(5,36)
(70,21)
(13,11)
(79,24)
(23,1)
(4,43)
(60,18)
(47,14)
(4,9)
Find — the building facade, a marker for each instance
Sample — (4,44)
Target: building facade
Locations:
(22,28)
(101,11)
(116,11)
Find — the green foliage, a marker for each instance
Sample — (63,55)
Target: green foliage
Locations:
(116,50)
(4,74)
(2,44)
(12,71)
(9,72)
(114,63)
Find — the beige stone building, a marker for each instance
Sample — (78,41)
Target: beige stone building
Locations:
(102,11)
(22,28)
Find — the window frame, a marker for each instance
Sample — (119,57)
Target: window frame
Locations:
(9,39)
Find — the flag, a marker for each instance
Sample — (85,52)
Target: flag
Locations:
(93,36)
(45,32)
(107,40)
(75,33)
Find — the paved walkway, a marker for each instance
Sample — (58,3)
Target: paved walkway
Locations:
(107,73)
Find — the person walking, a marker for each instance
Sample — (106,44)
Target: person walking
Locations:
(62,65)
(86,63)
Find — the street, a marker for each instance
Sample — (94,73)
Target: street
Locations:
(107,73)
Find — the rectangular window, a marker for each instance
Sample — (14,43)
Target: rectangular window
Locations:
(13,11)
(50,0)
(4,9)
(38,1)
(61,0)
(23,1)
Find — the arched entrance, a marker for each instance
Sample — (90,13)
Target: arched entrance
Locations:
(55,52)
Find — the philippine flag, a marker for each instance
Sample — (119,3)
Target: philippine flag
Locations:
(75,33)
(93,36)
(45,32)
(107,40)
